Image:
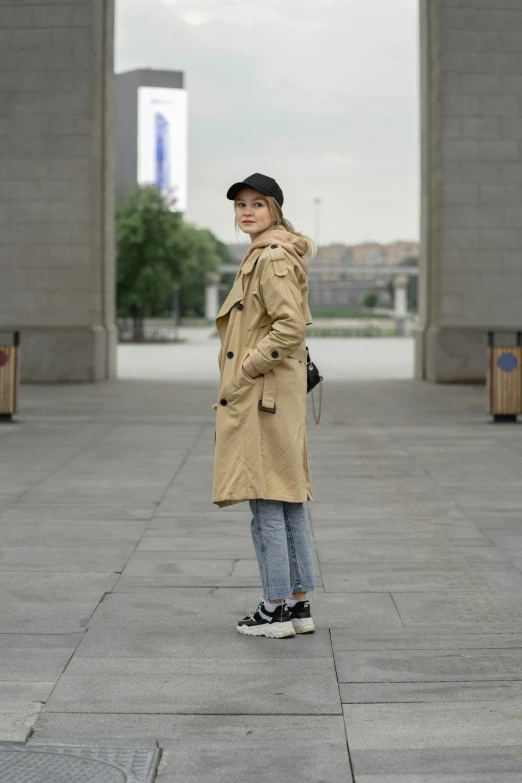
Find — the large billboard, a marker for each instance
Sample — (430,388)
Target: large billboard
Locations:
(162,142)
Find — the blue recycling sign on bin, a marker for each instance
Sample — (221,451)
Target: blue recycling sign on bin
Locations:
(507,362)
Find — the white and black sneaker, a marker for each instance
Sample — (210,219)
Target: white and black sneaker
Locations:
(301,617)
(275,625)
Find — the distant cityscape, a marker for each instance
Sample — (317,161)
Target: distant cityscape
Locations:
(367,254)
(332,290)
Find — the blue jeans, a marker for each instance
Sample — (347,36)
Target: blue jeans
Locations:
(283,547)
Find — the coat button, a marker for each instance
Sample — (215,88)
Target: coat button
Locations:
(275,355)
(240,306)
(223,402)
(274,246)
(230,355)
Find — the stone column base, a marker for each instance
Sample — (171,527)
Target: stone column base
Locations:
(68,355)
(451,355)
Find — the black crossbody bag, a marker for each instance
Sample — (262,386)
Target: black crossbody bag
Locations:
(313,378)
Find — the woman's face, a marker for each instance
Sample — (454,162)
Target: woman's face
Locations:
(252,212)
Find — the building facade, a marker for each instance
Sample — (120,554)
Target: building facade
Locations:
(151,132)
(333,290)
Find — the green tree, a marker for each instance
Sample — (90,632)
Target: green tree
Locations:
(370,299)
(152,246)
(200,267)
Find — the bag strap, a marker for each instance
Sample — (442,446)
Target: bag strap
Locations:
(317,418)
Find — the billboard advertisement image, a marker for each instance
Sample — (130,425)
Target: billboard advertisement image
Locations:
(162,142)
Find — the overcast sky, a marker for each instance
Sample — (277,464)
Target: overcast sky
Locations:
(320,94)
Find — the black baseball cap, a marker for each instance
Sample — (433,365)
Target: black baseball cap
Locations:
(259,182)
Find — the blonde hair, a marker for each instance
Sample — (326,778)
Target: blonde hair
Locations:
(278,219)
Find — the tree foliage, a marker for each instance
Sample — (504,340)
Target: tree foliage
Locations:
(371,299)
(157,249)
(150,250)
(205,257)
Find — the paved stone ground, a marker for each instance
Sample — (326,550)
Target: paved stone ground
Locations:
(121,585)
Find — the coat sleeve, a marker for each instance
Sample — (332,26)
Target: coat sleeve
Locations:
(282,298)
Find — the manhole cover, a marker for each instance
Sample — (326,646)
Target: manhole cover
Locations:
(58,764)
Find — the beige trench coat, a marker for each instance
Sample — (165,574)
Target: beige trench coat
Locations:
(261,442)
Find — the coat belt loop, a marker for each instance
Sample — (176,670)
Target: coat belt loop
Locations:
(267,403)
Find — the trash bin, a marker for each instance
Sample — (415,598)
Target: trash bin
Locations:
(504,383)
(9,377)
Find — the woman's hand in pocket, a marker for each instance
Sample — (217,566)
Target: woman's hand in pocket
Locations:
(248,367)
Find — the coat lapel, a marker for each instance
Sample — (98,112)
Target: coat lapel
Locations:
(234,295)
(236,292)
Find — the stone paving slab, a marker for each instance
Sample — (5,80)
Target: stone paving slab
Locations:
(477,777)
(343,532)
(423,578)
(493,500)
(436,640)
(106,556)
(118,640)
(320,758)
(157,569)
(198,685)
(233,747)
(406,510)
(35,657)
(451,764)
(174,605)
(20,704)
(495,520)
(517,562)
(509,541)
(35,602)
(166,569)
(11,693)
(429,665)
(428,551)
(490,611)
(434,725)
(212,521)
(429,692)
(66,510)
(181,548)
(16,722)
(70,532)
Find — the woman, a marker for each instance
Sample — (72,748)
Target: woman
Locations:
(261,444)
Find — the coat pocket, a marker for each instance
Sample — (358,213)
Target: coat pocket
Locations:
(244,378)
(248,378)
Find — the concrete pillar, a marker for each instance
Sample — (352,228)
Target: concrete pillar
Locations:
(471,267)
(211,302)
(56,187)
(401,304)
(212,296)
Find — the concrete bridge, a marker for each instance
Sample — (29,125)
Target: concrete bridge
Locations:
(317,271)
(57,189)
